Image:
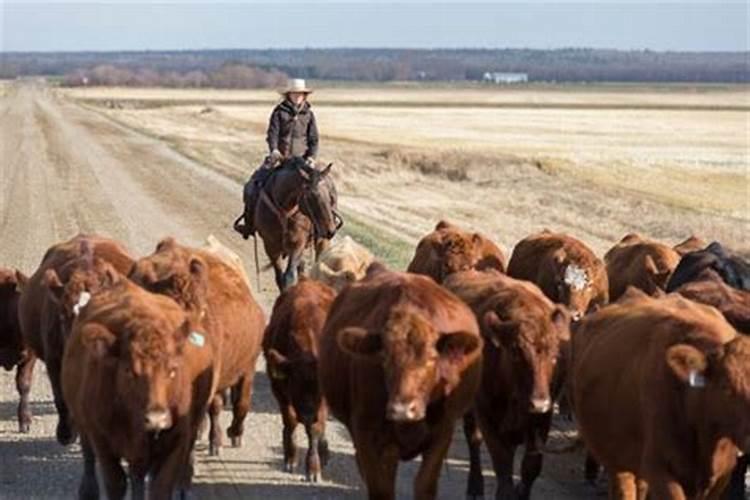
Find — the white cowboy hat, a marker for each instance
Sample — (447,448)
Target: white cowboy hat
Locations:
(296,85)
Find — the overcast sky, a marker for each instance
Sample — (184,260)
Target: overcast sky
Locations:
(137,25)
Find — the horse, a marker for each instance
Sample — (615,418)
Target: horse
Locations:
(296,208)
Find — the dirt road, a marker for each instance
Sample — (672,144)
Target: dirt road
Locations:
(65,169)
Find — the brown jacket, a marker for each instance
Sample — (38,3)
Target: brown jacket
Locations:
(293,130)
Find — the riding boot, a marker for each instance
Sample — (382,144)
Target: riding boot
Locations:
(245,224)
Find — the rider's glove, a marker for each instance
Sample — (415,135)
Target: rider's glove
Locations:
(310,160)
(276,156)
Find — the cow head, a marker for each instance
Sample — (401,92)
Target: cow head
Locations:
(531,341)
(11,345)
(723,374)
(419,363)
(87,275)
(147,358)
(574,285)
(458,252)
(175,271)
(300,373)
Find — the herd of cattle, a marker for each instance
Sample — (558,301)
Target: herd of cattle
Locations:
(657,382)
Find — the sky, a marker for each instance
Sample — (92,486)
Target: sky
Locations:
(713,25)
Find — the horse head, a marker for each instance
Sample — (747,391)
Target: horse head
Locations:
(318,200)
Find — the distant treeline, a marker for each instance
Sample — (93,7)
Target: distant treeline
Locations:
(562,65)
(229,76)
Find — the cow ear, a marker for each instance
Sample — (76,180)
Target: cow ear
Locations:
(197,267)
(98,340)
(443,224)
(21,281)
(500,333)
(278,364)
(326,170)
(166,244)
(688,364)
(359,342)
(476,238)
(54,285)
(457,351)
(560,318)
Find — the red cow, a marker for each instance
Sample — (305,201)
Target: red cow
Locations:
(291,348)
(400,362)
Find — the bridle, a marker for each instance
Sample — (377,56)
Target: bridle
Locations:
(312,178)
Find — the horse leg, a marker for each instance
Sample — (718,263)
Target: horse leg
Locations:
(292,268)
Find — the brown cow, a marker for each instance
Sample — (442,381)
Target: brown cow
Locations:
(644,264)
(564,268)
(137,377)
(524,336)
(291,349)
(201,281)
(13,351)
(449,249)
(67,276)
(662,395)
(400,362)
(710,289)
(692,244)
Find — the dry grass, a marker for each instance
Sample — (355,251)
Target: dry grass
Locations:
(597,173)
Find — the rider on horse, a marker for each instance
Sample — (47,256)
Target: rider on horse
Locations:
(292,132)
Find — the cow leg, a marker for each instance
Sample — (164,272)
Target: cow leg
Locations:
(622,486)
(89,488)
(323,451)
(24,373)
(531,466)
(377,469)
(591,469)
(137,482)
(166,474)
(502,450)
(426,482)
(242,394)
(312,463)
(65,433)
(113,476)
(475,485)
(289,419)
(214,432)
(736,489)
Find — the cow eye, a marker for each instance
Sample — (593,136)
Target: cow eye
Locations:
(172,373)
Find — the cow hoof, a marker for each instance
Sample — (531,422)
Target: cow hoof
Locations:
(214,450)
(24,427)
(65,435)
(89,490)
(289,467)
(236,441)
(312,478)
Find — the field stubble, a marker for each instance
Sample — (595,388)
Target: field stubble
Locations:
(594,170)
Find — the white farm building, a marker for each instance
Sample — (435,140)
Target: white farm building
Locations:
(500,78)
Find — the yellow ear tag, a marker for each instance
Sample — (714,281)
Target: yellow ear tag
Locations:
(276,373)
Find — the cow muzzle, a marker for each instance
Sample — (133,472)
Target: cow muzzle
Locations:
(158,420)
(405,411)
(540,405)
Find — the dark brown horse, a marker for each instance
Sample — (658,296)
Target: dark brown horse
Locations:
(296,208)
